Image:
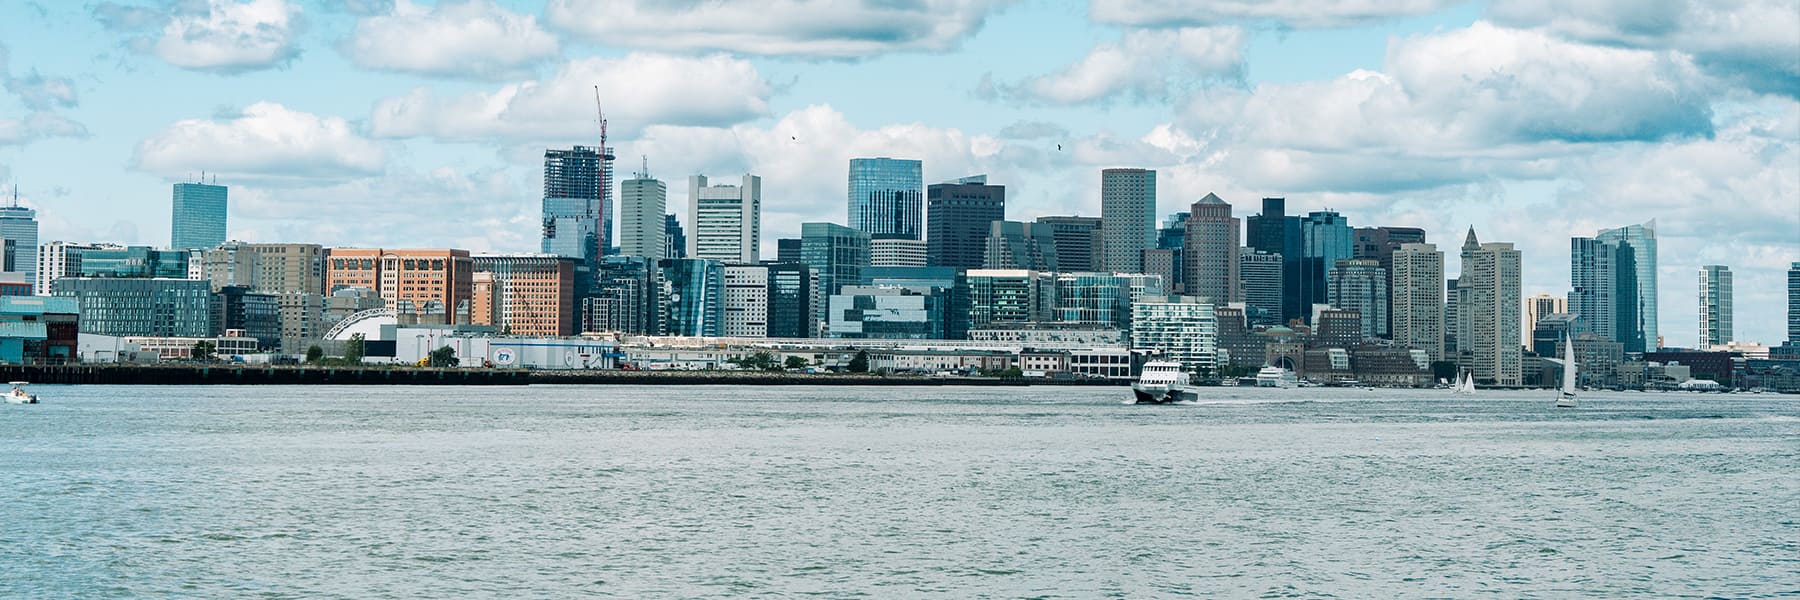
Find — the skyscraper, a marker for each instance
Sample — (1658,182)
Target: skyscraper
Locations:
(1794,303)
(1490,284)
(1211,252)
(1127,217)
(787,250)
(746,312)
(1173,233)
(1637,304)
(1274,232)
(534,294)
(1418,298)
(577,207)
(1361,285)
(1543,305)
(674,241)
(1079,242)
(18,258)
(1259,274)
(957,218)
(1379,244)
(643,206)
(1015,245)
(838,253)
(1715,306)
(696,299)
(1325,239)
(1613,276)
(727,219)
(887,196)
(199,216)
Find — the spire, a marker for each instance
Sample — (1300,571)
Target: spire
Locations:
(1469,242)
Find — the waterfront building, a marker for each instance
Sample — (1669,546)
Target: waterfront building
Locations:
(1010,296)
(244,312)
(897,252)
(198,219)
(1080,243)
(1326,238)
(577,203)
(958,214)
(1489,312)
(38,330)
(1177,328)
(1361,285)
(140,306)
(533,293)
(887,197)
(1336,327)
(1715,306)
(726,219)
(1051,335)
(433,284)
(674,241)
(627,297)
(1127,217)
(1418,298)
(1548,333)
(1102,299)
(1276,233)
(881,312)
(1260,279)
(696,306)
(1016,245)
(1211,253)
(1239,346)
(19,248)
(643,214)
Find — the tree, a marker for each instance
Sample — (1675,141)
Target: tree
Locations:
(353,349)
(314,354)
(1012,372)
(860,364)
(443,357)
(203,351)
(796,362)
(760,361)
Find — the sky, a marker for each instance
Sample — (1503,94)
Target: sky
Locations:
(408,123)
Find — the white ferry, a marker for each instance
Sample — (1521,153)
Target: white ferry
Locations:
(1276,377)
(1164,382)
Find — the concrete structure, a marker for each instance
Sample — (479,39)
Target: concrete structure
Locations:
(140,306)
(1016,245)
(887,197)
(726,220)
(746,301)
(957,218)
(1489,341)
(19,247)
(577,203)
(198,216)
(295,273)
(435,284)
(532,293)
(1715,306)
(1080,242)
(1336,327)
(1211,253)
(1178,328)
(232,263)
(1127,217)
(897,252)
(38,331)
(1361,285)
(1418,298)
(1276,233)
(1167,264)
(643,207)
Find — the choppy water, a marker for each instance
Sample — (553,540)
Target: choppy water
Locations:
(891,492)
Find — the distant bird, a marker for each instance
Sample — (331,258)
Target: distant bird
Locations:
(1059,147)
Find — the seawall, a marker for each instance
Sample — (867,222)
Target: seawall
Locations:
(232,374)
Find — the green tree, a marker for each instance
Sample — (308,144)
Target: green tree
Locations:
(314,354)
(760,361)
(1012,372)
(353,349)
(796,362)
(443,357)
(860,364)
(204,351)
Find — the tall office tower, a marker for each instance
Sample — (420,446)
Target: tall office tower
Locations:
(727,219)
(787,250)
(1793,303)
(1490,286)
(1211,253)
(627,297)
(1604,277)
(746,301)
(1379,244)
(1127,217)
(957,218)
(18,258)
(1259,275)
(643,206)
(897,252)
(1167,264)
(1173,233)
(1015,245)
(790,300)
(887,196)
(1418,298)
(1361,285)
(1325,239)
(1715,306)
(578,204)
(838,253)
(1179,328)
(1103,299)
(674,241)
(1636,318)
(1276,233)
(198,222)
(1010,296)
(534,294)
(1543,305)
(696,296)
(1080,245)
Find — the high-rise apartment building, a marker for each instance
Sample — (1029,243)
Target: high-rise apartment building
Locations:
(1715,306)
(1016,245)
(1010,296)
(1178,328)
(1361,285)
(534,293)
(957,217)
(1211,253)
(887,197)
(1418,298)
(1103,299)
(1127,217)
(1379,244)
(1260,279)
(1638,324)
(1613,293)
(230,264)
(1274,232)
(1489,310)
(19,248)
(577,203)
(140,306)
(643,206)
(726,219)
(1080,244)
(198,220)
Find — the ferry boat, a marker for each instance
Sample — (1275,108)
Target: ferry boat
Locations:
(18,395)
(1276,377)
(1164,382)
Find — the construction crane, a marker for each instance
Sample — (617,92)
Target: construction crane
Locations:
(605,152)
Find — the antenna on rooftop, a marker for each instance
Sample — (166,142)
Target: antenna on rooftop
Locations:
(645,174)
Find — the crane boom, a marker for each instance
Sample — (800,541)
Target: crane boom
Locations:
(605,152)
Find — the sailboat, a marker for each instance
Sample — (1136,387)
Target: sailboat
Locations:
(1465,384)
(1567,398)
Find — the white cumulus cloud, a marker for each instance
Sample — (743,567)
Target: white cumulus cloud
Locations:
(1287,13)
(814,28)
(1148,64)
(231,36)
(266,142)
(461,38)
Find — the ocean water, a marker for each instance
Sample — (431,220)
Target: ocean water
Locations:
(653,492)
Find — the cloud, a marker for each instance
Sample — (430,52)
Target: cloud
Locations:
(1284,13)
(122,17)
(472,38)
(811,28)
(266,142)
(1755,43)
(37,126)
(639,90)
(1148,64)
(219,36)
(43,93)
(493,211)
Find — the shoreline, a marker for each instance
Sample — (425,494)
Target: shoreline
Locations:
(232,374)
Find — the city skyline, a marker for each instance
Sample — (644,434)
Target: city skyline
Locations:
(89,128)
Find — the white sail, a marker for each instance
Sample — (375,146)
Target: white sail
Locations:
(1567,398)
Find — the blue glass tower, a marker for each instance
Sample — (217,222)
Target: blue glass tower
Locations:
(199,216)
(1325,239)
(887,197)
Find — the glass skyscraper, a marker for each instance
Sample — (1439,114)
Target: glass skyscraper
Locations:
(696,296)
(1715,306)
(198,221)
(1325,239)
(1276,233)
(887,197)
(1637,306)
(19,234)
(1613,281)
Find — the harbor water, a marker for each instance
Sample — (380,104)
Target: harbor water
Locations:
(1029,492)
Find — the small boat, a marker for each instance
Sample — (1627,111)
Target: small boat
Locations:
(18,395)
(1276,377)
(1465,384)
(1566,399)
(1163,382)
